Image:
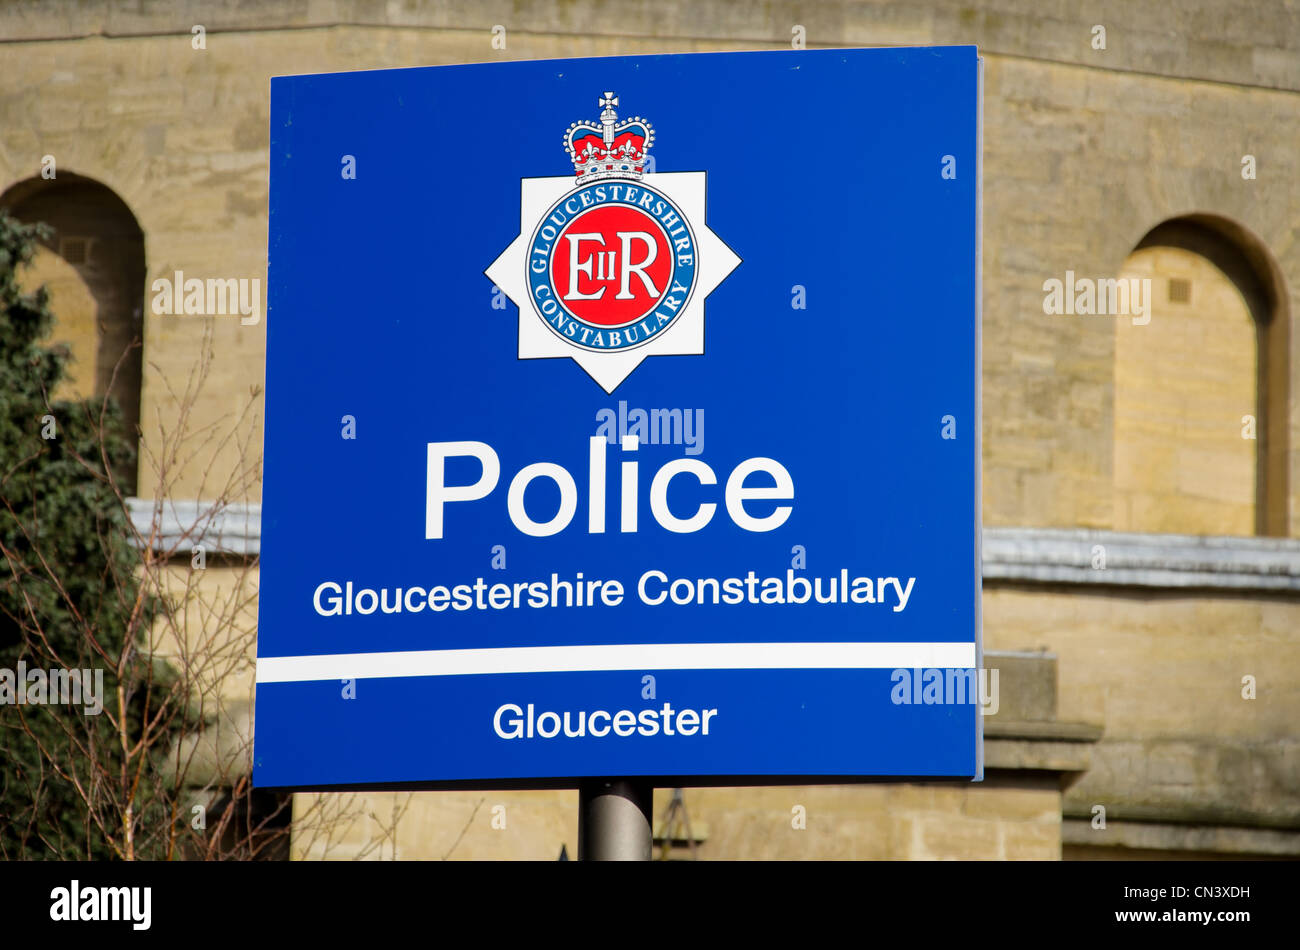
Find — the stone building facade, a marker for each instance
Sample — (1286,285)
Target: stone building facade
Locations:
(1141,471)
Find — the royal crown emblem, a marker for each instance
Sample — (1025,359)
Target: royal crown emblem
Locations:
(610,149)
(613,267)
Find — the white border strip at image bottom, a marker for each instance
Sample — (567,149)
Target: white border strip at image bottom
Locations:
(616,657)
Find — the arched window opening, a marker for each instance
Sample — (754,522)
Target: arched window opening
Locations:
(95,268)
(1201,390)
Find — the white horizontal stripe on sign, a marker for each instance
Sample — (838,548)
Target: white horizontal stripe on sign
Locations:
(604,658)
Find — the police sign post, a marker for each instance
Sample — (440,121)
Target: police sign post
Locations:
(623,420)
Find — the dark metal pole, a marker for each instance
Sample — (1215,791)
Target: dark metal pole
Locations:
(614,821)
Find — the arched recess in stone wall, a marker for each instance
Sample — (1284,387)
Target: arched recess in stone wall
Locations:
(1209,370)
(97,237)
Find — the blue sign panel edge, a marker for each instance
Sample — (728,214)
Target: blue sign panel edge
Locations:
(737,779)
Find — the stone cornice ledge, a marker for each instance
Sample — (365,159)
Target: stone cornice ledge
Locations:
(179,525)
(1038,555)
(1067,556)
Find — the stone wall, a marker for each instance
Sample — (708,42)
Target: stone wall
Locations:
(1230,42)
(1164,672)
(1015,821)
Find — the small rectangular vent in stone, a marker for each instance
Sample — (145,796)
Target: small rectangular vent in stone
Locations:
(1180,290)
(73,250)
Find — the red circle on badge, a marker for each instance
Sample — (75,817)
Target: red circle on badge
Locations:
(611,265)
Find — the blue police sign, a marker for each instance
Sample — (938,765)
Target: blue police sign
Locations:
(623,419)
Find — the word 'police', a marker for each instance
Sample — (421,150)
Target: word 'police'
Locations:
(735,495)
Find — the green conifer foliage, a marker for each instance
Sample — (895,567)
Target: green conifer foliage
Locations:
(71,596)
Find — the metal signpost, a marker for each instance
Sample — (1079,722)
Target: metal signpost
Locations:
(623,421)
